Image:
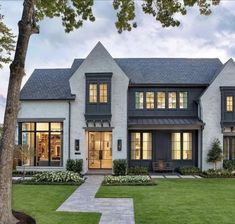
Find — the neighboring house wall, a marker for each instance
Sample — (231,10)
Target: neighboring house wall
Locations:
(99,61)
(33,110)
(211,109)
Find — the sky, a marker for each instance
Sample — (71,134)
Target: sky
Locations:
(197,37)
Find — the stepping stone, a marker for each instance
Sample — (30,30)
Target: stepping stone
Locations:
(196,176)
(187,176)
(171,176)
(157,176)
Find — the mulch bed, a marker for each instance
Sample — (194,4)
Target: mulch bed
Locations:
(23,218)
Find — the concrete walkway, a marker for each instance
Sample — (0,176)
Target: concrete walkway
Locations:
(113,210)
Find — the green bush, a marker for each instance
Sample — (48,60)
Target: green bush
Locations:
(128,180)
(56,177)
(16,173)
(229,165)
(189,170)
(120,167)
(74,165)
(138,170)
(220,173)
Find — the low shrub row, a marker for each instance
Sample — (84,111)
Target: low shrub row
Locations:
(128,180)
(16,173)
(138,170)
(229,165)
(56,177)
(189,170)
(220,173)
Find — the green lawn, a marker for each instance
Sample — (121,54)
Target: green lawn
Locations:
(180,201)
(41,202)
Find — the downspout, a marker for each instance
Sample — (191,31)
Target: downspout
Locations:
(201,135)
(69,134)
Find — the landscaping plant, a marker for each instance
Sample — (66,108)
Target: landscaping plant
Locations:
(74,165)
(120,167)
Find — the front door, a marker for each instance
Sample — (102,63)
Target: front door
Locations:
(100,150)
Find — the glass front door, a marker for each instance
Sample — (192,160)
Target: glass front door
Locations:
(100,150)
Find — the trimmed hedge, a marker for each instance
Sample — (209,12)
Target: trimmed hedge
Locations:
(120,167)
(128,180)
(211,173)
(138,170)
(16,173)
(74,165)
(56,177)
(30,182)
(189,170)
(229,165)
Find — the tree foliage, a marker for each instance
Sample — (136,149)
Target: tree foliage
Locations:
(215,153)
(6,43)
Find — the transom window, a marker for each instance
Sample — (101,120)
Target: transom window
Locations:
(92,93)
(42,143)
(181,146)
(141,145)
(103,93)
(183,100)
(229,103)
(172,100)
(139,100)
(161,100)
(150,100)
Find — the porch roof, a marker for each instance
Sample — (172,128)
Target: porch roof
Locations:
(164,123)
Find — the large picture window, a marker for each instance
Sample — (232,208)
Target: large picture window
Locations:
(141,146)
(181,146)
(43,142)
(161,100)
(139,100)
(172,100)
(150,100)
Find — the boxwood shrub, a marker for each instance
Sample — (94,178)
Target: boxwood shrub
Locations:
(220,173)
(74,165)
(229,165)
(138,170)
(120,167)
(57,177)
(128,180)
(189,170)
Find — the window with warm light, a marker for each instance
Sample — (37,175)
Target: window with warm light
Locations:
(187,146)
(161,100)
(172,100)
(103,93)
(176,146)
(147,146)
(139,100)
(150,100)
(92,93)
(183,100)
(229,103)
(135,145)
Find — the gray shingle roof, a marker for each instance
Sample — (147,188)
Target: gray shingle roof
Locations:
(54,83)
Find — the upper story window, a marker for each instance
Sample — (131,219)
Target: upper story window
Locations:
(150,100)
(172,100)
(183,97)
(229,103)
(161,100)
(93,93)
(139,100)
(103,92)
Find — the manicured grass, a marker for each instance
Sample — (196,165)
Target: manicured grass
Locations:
(41,202)
(180,201)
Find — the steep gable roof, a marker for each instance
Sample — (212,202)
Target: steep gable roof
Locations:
(54,83)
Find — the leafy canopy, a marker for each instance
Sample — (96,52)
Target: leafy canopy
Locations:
(215,153)
(74,12)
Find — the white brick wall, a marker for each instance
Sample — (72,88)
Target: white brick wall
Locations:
(211,109)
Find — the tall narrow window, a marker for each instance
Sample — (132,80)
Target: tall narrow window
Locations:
(229,103)
(135,145)
(150,100)
(161,100)
(187,146)
(172,100)
(176,146)
(226,148)
(103,93)
(139,100)
(92,93)
(147,146)
(183,100)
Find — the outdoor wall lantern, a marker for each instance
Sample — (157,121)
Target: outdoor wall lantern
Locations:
(119,145)
(77,147)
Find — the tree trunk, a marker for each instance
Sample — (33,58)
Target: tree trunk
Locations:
(26,28)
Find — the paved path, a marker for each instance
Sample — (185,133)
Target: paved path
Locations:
(113,210)
(174,176)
